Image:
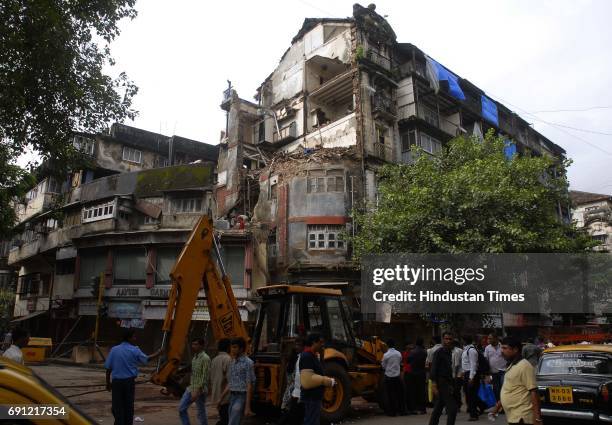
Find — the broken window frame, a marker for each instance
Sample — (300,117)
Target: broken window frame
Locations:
(132,155)
(326,236)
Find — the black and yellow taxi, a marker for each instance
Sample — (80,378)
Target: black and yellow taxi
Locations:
(575,382)
(25,398)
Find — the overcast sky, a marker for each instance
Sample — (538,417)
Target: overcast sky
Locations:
(530,55)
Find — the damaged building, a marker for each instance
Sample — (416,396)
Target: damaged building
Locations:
(124,217)
(346,98)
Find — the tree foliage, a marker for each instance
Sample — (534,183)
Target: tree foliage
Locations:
(52,59)
(470,199)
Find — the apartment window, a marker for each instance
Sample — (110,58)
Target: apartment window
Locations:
(316,181)
(430,115)
(162,162)
(187,205)
(130,267)
(233,260)
(335,181)
(98,212)
(91,265)
(274,187)
(408,140)
(272,245)
(430,144)
(166,258)
(84,144)
(53,186)
(29,285)
(64,267)
(261,131)
(381,133)
(132,155)
(325,181)
(5,281)
(601,239)
(326,236)
(149,220)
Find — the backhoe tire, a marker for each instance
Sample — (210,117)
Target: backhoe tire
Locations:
(337,399)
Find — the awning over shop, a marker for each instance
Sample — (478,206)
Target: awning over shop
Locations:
(28,316)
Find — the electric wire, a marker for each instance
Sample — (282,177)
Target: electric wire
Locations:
(561,129)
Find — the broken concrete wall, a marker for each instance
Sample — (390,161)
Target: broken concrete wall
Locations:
(340,133)
(286,206)
(287,80)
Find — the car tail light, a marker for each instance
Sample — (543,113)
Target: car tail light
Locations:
(605,393)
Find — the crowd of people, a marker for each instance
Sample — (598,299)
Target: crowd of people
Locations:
(444,376)
(226,381)
(450,373)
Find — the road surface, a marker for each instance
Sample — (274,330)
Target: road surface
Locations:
(156,409)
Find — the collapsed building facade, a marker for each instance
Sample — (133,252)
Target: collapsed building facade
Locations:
(345,99)
(125,217)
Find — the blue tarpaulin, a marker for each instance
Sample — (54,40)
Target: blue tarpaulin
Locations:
(489,110)
(444,74)
(509,148)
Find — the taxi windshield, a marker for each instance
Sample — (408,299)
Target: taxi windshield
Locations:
(576,364)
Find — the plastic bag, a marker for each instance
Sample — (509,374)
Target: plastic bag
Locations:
(485,393)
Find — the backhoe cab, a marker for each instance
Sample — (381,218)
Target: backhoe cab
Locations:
(288,312)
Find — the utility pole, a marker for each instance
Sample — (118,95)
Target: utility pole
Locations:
(100,293)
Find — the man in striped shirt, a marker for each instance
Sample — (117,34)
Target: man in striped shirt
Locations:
(198,387)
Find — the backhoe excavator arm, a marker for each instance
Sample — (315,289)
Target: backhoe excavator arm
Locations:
(195,268)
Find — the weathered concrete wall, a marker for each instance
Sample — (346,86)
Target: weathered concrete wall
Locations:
(34,206)
(63,286)
(109,155)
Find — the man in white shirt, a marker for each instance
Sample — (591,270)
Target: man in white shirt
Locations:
(471,381)
(21,338)
(497,363)
(392,363)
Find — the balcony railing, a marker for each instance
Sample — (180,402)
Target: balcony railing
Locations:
(406,111)
(383,152)
(378,59)
(383,104)
(602,214)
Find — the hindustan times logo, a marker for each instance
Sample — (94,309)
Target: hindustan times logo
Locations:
(413,275)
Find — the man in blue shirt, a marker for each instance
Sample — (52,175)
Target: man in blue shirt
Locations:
(122,364)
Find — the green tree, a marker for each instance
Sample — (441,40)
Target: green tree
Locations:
(52,59)
(470,199)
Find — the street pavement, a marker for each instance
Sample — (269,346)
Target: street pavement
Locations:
(155,408)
